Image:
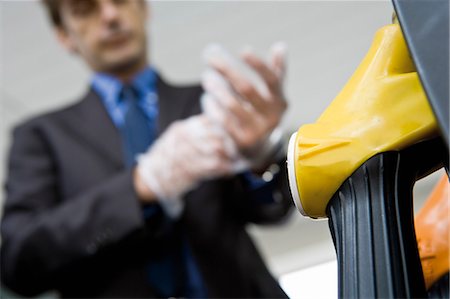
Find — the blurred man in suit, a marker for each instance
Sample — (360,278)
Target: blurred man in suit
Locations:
(86,217)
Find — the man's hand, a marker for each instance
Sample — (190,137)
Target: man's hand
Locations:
(252,112)
(189,151)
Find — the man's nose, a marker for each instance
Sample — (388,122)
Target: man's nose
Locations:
(109,11)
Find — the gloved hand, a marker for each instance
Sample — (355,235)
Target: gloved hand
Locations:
(248,99)
(189,152)
(212,109)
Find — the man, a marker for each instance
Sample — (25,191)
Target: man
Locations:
(83,216)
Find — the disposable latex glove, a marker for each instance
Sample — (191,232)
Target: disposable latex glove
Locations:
(247,100)
(189,152)
(212,109)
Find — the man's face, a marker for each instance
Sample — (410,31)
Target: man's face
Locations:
(108,34)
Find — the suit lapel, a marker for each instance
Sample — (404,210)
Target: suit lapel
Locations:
(173,103)
(98,130)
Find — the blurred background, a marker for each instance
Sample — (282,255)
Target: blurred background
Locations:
(326,41)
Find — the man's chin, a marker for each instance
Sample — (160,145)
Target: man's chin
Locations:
(124,64)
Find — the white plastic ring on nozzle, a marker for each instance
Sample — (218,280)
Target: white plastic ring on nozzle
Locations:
(291,174)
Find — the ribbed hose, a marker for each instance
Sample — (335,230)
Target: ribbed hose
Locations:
(371,222)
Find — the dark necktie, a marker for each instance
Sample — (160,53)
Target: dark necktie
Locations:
(165,272)
(137,130)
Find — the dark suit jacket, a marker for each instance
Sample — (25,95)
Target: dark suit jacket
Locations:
(72,221)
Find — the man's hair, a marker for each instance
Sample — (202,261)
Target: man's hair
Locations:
(52,7)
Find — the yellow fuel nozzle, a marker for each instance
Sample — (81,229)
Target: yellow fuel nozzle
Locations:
(381,108)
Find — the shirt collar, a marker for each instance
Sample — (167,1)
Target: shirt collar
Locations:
(145,81)
(109,87)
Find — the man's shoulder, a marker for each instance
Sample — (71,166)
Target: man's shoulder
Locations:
(54,116)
